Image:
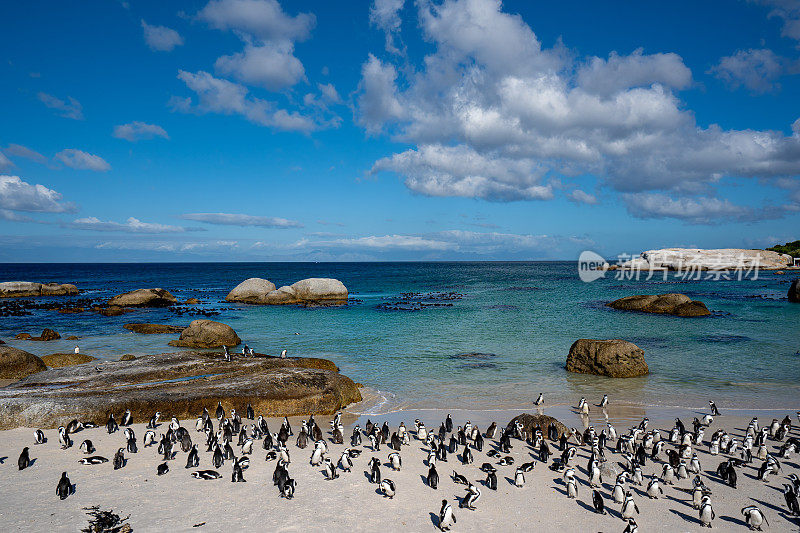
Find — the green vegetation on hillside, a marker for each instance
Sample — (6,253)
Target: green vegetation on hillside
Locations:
(791,248)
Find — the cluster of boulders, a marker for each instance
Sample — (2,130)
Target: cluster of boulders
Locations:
(47,335)
(315,291)
(682,259)
(26,289)
(144,298)
(670,304)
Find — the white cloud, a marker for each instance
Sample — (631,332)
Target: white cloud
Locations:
(229,219)
(436,170)
(132,225)
(17,195)
(329,93)
(619,73)
(17,150)
(582,197)
(271,66)
(699,210)
(11,216)
(171,247)
(136,130)
(161,38)
(215,95)
(385,14)
(491,114)
(387,242)
(755,69)
(69,108)
(82,160)
(264,19)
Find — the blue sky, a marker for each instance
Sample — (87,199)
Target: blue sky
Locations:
(470,129)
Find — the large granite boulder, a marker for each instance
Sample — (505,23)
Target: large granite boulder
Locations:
(27,289)
(251,291)
(143,298)
(671,304)
(60,360)
(681,259)
(613,358)
(311,291)
(275,387)
(153,329)
(18,364)
(794,291)
(531,422)
(47,335)
(207,334)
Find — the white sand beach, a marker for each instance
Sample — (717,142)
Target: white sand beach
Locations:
(178,502)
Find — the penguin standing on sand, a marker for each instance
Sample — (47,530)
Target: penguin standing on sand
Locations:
(791,500)
(714,410)
(754,517)
(572,488)
(470,498)
(446,517)
(64,487)
(433,477)
(119,459)
(24,459)
(629,506)
(540,400)
(162,469)
(330,469)
(375,470)
(38,437)
(237,476)
(388,489)
(127,418)
(519,477)
(631,527)
(491,480)
(597,501)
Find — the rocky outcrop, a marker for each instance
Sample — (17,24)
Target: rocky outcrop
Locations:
(18,364)
(275,387)
(207,334)
(60,360)
(538,421)
(111,310)
(671,304)
(144,298)
(700,259)
(613,358)
(27,289)
(47,335)
(794,291)
(191,301)
(128,357)
(153,329)
(311,291)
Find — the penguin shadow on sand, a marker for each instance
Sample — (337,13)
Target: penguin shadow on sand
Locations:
(688,518)
(434,519)
(733,520)
(678,500)
(368,475)
(780,510)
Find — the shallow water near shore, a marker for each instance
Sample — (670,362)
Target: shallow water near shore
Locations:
(522,318)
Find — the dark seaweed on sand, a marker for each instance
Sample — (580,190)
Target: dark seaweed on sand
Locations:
(105,521)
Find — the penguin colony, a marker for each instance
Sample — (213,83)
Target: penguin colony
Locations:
(649,463)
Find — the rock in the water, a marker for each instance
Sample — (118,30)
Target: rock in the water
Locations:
(144,298)
(531,422)
(207,334)
(47,335)
(153,329)
(60,360)
(128,357)
(16,289)
(23,336)
(191,301)
(682,259)
(111,310)
(671,304)
(18,364)
(251,291)
(614,358)
(275,387)
(307,291)
(73,338)
(794,291)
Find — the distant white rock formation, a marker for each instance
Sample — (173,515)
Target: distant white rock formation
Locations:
(714,259)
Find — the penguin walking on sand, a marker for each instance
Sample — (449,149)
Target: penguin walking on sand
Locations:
(629,506)
(791,500)
(162,469)
(64,487)
(127,418)
(237,476)
(540,400)
(572,488)
(604,402)
(375,470)
(706,512)
(283,354)
(713,406)
(446,517)
(754,518)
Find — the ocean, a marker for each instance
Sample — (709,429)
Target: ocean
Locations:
(406,333)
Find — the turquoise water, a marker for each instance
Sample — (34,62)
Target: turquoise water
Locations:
(523,316)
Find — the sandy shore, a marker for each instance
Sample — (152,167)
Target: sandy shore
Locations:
(178,502)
